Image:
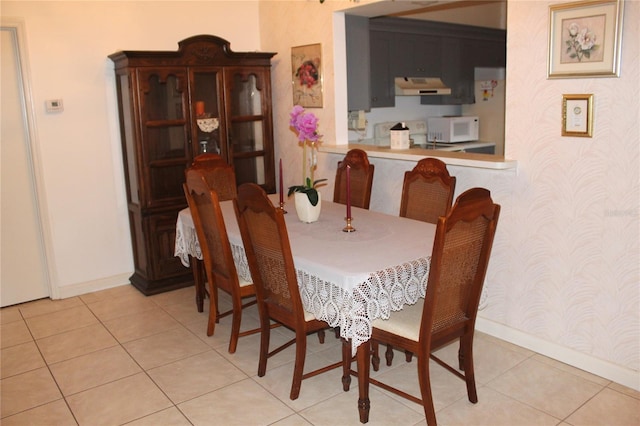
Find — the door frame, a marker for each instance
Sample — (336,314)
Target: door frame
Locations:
(46,253)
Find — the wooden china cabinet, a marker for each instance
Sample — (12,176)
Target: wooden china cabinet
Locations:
(175,105)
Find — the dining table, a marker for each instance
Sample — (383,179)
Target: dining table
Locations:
(347,279)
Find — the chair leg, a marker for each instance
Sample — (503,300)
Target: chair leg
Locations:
(217,308)
(389,355)
(346,364)
(408,356)
(199,281)
(301,352)
(321,336)
(213,314)
(265,334)
(236,320)
(375,357)
(425,390)
(466,348)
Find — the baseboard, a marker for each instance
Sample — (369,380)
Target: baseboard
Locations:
(91,286)
(608,370)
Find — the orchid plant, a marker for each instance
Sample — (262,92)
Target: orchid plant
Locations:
(305,125)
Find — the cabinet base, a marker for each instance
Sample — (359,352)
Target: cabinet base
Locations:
(150,287)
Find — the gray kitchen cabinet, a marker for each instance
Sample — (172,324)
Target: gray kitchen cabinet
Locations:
(465,48)
(416,55)
(358,64)
(487,53)
(382,90)
(456,73)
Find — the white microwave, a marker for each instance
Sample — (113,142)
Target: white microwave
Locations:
(452,129)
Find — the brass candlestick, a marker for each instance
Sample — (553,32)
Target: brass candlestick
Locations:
(348,228)
(282,207)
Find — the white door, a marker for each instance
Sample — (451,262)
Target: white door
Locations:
(23,272)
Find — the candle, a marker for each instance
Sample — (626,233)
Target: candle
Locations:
(281,185)
(348,192)
(199,108)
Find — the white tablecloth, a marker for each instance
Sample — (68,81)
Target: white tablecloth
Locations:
(345,279)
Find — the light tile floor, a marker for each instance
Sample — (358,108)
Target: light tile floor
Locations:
(117,357)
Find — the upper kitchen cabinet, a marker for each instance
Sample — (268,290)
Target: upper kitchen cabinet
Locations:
(380,92)
(173,106)
(416,55)
(488,52)
(401,47)
(400,55)
(358,62)
(464,48)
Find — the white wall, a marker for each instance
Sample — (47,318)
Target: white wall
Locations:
(564,275)
(68,44)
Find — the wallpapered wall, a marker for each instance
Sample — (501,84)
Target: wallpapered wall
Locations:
(565,267)
(573,240)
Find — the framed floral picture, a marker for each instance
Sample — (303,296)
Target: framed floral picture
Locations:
(306,75)
(585,39)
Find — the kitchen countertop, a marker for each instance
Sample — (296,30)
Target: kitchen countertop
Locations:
(467,159)
(441,146)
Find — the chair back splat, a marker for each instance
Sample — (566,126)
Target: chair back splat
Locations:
(266,244)
(219,175)
(459,263)
(361,177)
(427,191)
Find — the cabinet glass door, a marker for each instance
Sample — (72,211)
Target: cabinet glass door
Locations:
(249,125)
(206,111)
(164,132)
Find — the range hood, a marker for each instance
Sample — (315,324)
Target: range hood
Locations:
(420,86)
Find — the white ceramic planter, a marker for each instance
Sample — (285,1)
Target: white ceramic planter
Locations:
(306,212)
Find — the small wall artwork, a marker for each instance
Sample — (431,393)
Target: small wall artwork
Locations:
(577,115)
(306,75)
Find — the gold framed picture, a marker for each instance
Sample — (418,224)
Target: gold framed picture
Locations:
(585,39)
(577,115)
(306,75)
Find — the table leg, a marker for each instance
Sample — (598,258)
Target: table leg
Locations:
(362,356)
(346,364)
(197,266)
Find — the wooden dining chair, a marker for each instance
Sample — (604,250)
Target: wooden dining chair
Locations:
(427,194)
(459,260)
(427,191)
(361,177)
(266,244)
(217,257)
(221,177)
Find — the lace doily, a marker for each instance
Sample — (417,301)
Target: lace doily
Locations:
(186,244)
(384,291)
